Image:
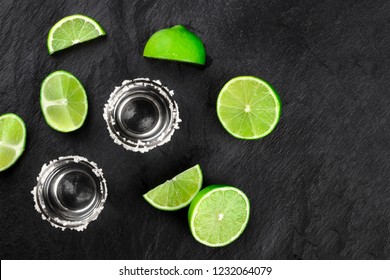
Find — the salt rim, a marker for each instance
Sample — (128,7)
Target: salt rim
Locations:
(141,146)
(63,224)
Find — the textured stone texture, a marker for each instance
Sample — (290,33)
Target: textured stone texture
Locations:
(319,185)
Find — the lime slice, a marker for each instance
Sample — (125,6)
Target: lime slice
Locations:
(12,139)
(248,107)
(218,215)
(176,193)
(72,30)
(63,101)
(177,44)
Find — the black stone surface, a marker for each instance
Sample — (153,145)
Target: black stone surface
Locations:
(319,185)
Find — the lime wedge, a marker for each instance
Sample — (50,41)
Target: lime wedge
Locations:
(177,44)
(178,192)
(72,30)
(248,107)
(12,139)
(218,215)
(63,101)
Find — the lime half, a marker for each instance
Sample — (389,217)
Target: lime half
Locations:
(218,215)
(248,107)
(12,139)
(178,192)
(177,44)
(72,30)
(63,101)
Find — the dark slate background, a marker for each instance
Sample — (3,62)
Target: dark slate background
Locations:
(319,185)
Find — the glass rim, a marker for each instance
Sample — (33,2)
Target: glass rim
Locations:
(58,221)
(142,146)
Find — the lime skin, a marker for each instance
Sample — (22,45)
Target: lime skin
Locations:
(176,44)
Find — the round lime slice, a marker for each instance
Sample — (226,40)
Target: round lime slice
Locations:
(218,215)
(72,30)
(12,139)
(177,44)
(63,101)
(178,192)
(248,107)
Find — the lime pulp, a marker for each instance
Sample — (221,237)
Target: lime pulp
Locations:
(12,139)
(178,192)
(63,101)
(218,215)
(248,107)
(72,30)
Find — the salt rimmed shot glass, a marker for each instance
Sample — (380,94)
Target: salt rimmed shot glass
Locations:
(70,192)
(141,115)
